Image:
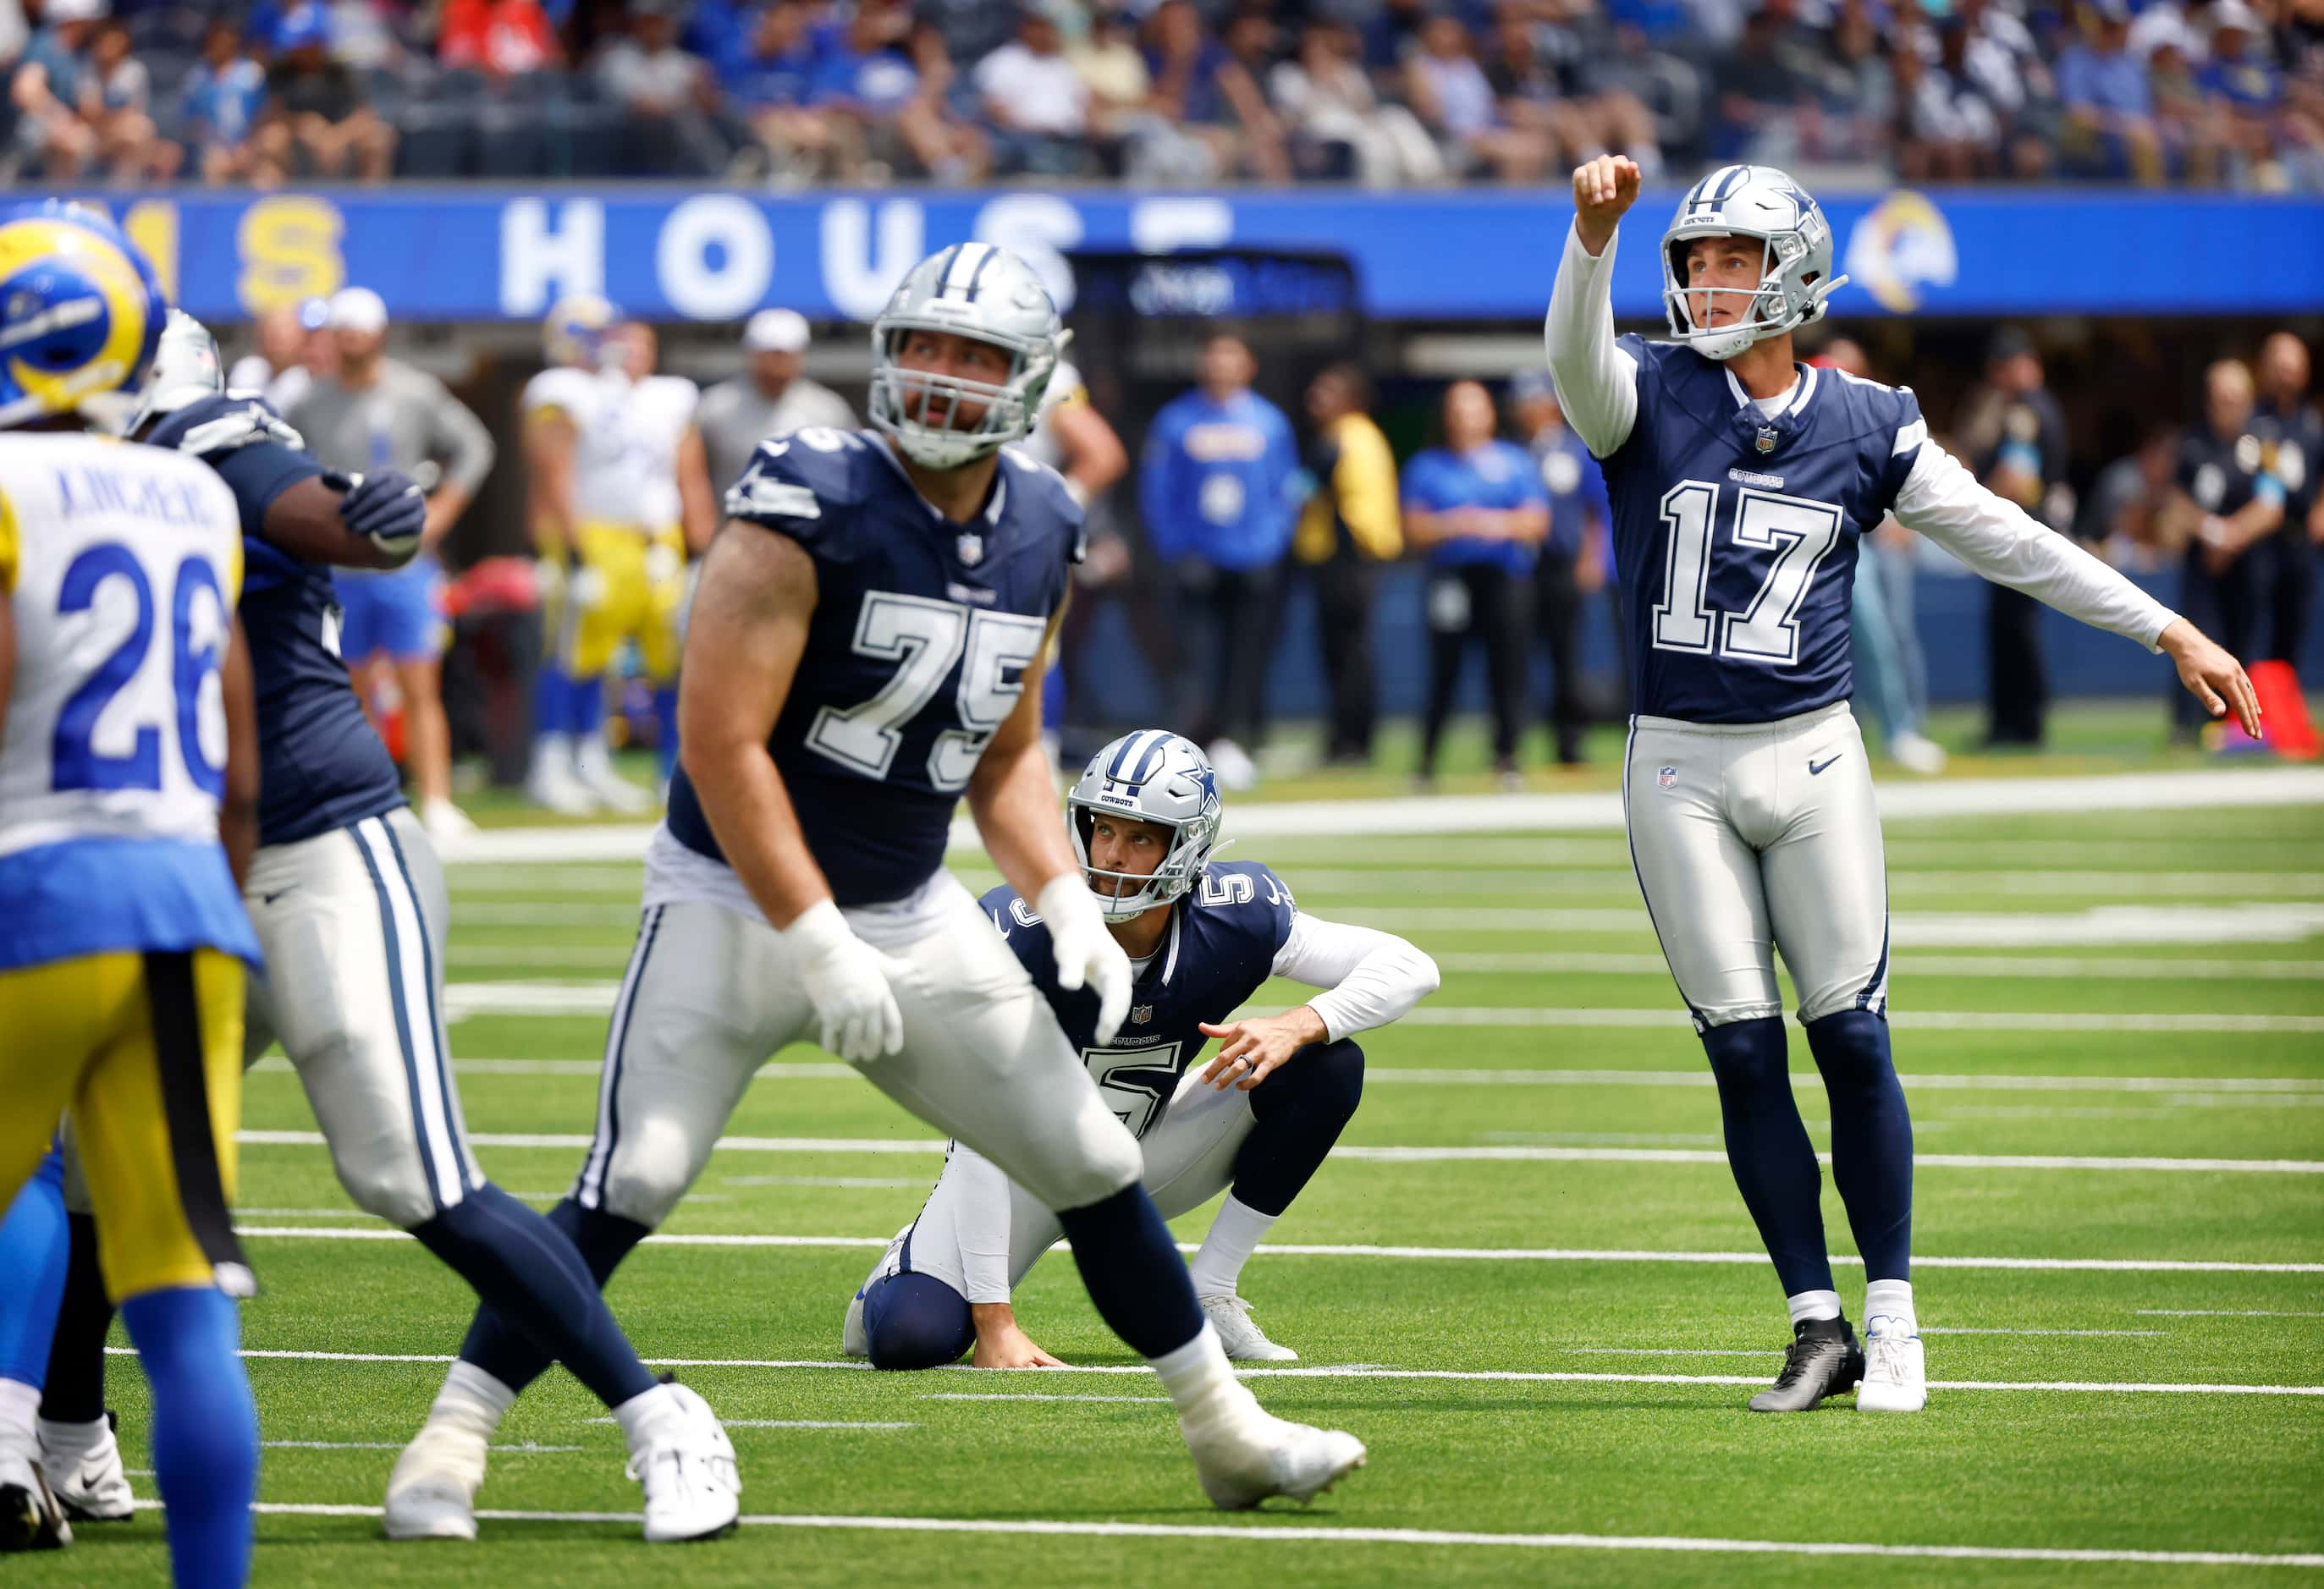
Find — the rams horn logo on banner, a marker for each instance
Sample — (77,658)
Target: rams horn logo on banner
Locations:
(1901,246)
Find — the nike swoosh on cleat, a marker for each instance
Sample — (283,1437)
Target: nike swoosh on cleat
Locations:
(1815,767)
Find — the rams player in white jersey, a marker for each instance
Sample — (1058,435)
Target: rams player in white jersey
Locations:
(128,773)
(602,435)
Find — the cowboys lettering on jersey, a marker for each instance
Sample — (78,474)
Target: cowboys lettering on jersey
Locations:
(865,647)
(1742,482)
(1257,1122)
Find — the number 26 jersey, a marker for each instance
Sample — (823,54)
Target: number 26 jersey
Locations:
(916,653)
(1736,532)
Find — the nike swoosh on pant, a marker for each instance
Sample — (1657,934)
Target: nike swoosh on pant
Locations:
(1814,767)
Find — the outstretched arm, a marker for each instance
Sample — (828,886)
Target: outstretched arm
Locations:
(1373,978)
(1597,382)
(1996,538)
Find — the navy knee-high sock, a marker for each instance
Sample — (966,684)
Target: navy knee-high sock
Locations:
(34,1257)
(499,1345)
(75,1393)
(1297,1113)
(528,1271)
(1133,1271)
(1769,1149)
(1871,1137)
(205,1429)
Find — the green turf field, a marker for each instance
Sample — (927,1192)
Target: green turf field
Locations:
(1544,1314)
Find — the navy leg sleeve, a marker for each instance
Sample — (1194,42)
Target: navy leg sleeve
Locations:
(1871,1137)
(1767,1148)
(1133,1271)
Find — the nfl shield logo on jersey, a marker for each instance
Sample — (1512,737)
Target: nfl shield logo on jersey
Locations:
(1667,778)
(1765,440)
(971,548)
(1141,1014)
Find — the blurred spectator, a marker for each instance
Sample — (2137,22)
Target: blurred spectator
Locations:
(2121,518)
(668,93)
(1338,126)
(500,37)
(1214,487)
(315,105)
(1476,507)
(1572,567)
(1037,104)
(2241,78)
(884,89)
(1766,89)
(2190,124)
(2002,60)
(1110,66)
(771,397)
(1948,131)
(1859,89)
(1209,98)
(1391,33)
(2291,442)
(1525,87)
(768,78)
(2225,501)
(1349,527)
(127,140)
(55,92)
(2016,433)
(2109,125)
(1454,100)
(294,351)
(218,108)
(1618,85)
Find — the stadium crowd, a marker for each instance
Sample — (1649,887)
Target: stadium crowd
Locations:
(1385,92)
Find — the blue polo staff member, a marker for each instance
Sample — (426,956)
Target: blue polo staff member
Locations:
(1216,489)
(1572,563)
(1476,507)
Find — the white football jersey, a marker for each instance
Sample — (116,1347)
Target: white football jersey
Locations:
(121,566)
(1065,387)
(625,447)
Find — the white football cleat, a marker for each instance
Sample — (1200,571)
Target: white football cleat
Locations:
(1896,1377)
(552,786)
(445,822)
(1236,770)
(1238,1333)
(30,1516)
(604,784)
(432,1492)
(686,1463)
(1917,753)
(84,1472)
(854,1340)
(1243,1454)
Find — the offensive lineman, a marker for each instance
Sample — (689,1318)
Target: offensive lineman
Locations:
(1741,484)
(1202,937)
(349,903)
(127,754)
(865,647)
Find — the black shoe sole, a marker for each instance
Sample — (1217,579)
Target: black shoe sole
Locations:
(26,1523)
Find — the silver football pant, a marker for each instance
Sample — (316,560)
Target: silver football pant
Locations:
(1186,1161)
(711,992)
(1752,839)
(352,922)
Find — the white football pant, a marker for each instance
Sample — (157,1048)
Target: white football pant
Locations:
(1189,1158)
(710,994)
(1752,839)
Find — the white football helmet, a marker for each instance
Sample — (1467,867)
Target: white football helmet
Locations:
(976,291)
(186,370)
(1151,775)
(578,332)
(1794,281)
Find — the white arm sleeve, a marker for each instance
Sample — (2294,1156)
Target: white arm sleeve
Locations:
(979,1209)
(1373,976)
(1996,538)
(1597,383)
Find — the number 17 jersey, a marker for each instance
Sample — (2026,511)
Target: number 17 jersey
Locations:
(915,655)
(1736,532)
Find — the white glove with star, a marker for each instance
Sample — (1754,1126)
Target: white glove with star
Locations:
(847,981)
(1088,955)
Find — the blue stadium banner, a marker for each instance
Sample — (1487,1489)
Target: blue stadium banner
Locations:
(475,253)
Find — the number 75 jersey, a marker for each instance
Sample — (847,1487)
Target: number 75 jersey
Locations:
(120,565)
(916,654)
(1737,531)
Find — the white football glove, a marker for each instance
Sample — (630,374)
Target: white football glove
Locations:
(1088,955)
(847,980)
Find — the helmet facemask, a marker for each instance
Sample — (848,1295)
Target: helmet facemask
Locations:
(1760,205)
(1152,778)
(901,397)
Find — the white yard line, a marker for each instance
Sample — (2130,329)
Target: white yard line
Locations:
(1030,1396)
(2260,1088)
(795,1423)
(521,1447)
(2048,929)
(2128,882)
(1582,963)
(388,1233)
(1658,1543)
(1414,1156)
(2219,1313)
(1381,1372)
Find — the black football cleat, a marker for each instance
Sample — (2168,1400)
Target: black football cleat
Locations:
(30,1516)
(1822,1360)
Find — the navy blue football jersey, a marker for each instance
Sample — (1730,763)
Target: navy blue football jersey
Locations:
(320,764)
(916,653)
(1223,938)
(1736,532)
